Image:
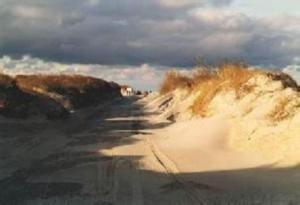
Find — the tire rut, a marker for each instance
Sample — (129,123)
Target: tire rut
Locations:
(171,168)
(120,176)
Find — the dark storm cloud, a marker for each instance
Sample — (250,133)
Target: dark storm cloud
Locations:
(164,32)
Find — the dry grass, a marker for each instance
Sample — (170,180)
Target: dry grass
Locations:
(279,112)
(208,82)
(226,77)
(201,75)
(58,82)
(235,76)
(208,91)
(174,79)
(52,95)
(6,81)
(73,91)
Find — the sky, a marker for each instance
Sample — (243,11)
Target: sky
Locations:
(134,41)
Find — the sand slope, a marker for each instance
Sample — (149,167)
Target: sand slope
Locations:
(251,121)
(238,147)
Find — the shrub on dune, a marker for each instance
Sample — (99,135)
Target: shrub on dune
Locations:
(73,91)
(52,95)
(226,77)
(207,82)
(174,79)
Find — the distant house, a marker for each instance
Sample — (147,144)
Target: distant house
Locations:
(127,90)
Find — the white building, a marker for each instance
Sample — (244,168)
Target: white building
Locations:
(127,91)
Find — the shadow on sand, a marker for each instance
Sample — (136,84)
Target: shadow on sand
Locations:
(86,131)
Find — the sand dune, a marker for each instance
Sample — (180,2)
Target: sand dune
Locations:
(236,147)
(157,150)
(264,122)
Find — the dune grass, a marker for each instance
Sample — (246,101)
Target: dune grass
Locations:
(280,112)
(6,81)
(174,79)
(23,95)
(59,82)
(226,77)
(74,91)
(207,82)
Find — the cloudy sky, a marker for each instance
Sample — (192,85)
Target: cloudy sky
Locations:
(135,40)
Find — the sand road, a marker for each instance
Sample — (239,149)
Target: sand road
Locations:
(110,155)
(78,161)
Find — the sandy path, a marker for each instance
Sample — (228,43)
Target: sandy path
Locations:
(117,154)
(99,156)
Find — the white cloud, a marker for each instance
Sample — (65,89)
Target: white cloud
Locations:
(29,12)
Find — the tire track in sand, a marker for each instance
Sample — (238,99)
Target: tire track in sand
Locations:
(171,168)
